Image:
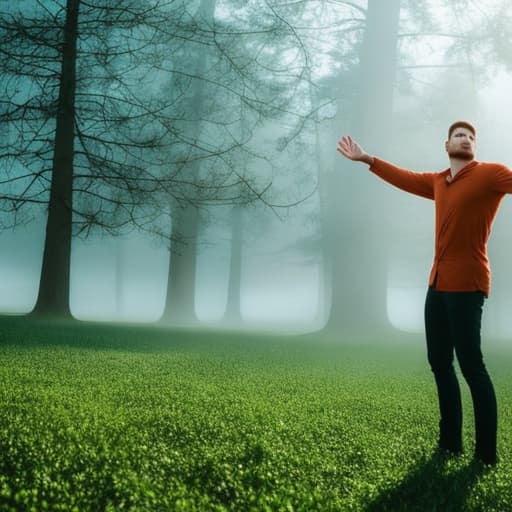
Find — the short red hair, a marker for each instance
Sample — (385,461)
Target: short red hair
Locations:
(461,124)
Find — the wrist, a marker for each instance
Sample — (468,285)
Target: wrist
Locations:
(367,159)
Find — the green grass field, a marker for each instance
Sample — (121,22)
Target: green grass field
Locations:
(97,418)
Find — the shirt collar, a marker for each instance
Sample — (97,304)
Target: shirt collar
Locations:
(465,169)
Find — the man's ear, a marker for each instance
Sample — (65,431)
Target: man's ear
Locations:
(446,146)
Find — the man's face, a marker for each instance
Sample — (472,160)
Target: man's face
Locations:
(461,144)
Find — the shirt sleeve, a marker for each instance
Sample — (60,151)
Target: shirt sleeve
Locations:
(418,183)
(502,179)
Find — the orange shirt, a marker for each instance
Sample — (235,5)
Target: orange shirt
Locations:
(465,209)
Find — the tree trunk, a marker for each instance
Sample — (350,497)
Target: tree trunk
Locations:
(233,306)
(181,281)
(53,297)
(120,276)
(359,262)
(185,223)
(324,293)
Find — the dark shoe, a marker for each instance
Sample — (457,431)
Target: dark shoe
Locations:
(449,451)
(486,460)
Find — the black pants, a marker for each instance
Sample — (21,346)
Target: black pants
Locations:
(453,323)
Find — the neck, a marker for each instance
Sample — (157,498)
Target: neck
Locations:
(456,164)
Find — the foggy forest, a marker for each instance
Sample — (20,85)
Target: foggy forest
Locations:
(209,301)
(174,162)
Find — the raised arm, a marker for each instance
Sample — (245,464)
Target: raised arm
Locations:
(420,184)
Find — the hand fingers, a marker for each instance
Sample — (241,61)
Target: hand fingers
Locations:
(346,141)
(344,145)
(342,148)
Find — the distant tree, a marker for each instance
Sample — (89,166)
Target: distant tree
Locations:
(243,75)
(185,216)
(82,120)
(233,312)
(357,266)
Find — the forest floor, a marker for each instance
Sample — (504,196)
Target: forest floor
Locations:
(101,417)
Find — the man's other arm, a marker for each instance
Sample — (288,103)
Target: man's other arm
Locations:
(502,181)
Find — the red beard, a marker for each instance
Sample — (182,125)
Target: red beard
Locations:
(462,154)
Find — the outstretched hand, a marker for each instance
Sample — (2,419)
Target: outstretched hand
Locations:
(350,149)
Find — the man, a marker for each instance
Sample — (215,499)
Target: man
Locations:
(467,196)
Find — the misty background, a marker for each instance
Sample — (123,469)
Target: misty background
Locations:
(175,162)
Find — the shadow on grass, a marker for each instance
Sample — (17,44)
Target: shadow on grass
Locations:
(436,484)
